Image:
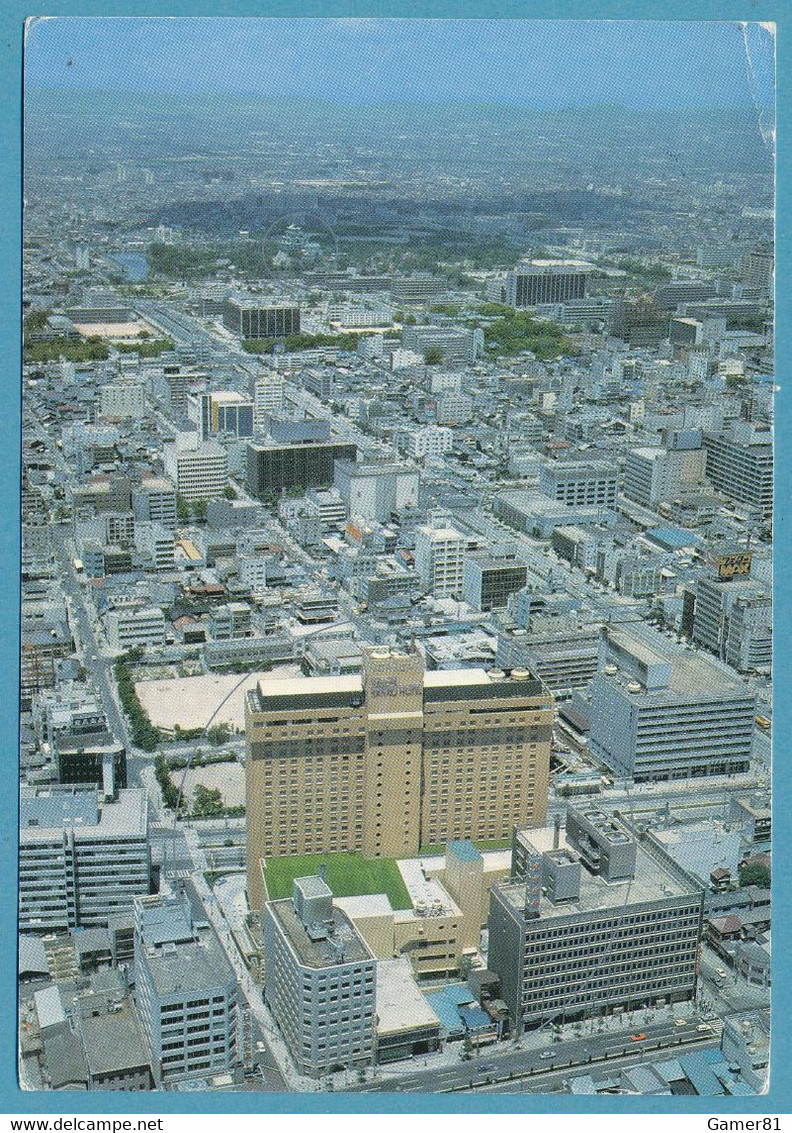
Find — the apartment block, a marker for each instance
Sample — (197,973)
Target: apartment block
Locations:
(429,440)
(155,501)
(439,560)
(122,400)
(267,398)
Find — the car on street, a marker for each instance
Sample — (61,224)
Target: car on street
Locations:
(721,972)
(680,1022)
(638,1037)
(546,1054)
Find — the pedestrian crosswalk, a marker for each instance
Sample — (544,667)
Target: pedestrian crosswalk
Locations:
(178,873)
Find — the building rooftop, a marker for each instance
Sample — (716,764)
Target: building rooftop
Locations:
(112,1042)
(463,850)
(342,945)
(49,1007)
(692,675)
(652,881)
(427,895)
(352,683)
(45,811)
(400,1005)
(161,922)
(365,905)
(196,966)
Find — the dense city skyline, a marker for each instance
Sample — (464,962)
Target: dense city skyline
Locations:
(397,559)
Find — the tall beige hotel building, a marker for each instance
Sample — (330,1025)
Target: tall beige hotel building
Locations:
(392,759)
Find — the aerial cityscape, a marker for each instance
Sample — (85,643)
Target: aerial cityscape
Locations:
(396,578)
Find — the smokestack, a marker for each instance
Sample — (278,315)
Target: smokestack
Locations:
(556,830)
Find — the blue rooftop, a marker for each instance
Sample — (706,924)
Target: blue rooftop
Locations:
(464,851)
(672,537)
(446,1004)
(699,1068)
(474,1018)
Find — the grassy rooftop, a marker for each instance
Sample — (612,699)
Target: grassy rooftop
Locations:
(348,875)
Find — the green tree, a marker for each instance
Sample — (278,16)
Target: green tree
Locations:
(433,356)
(755,873)
(207,802)
(218,734)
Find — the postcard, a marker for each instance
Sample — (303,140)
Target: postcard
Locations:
(395,702)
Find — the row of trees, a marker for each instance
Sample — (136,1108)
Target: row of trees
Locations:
(294,342)
(91,349)
(146,347)
(144,734)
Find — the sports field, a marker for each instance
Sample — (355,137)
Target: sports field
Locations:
(348,875)
(191,702)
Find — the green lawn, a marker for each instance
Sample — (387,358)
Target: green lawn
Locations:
(348,875)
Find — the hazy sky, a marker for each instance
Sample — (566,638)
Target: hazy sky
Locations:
(358,61)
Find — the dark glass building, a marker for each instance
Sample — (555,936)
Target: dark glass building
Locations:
(249,320)
(271,468)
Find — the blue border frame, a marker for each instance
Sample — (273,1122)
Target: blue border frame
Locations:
(14,1100)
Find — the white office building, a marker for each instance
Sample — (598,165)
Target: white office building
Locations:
(439,560)
(122,400)
(130,626)
(319,980)
(580,482)
(661,712)
(82,858)
(186,993)
(267,398)
(199,471)
(429,440)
